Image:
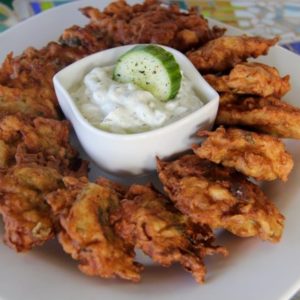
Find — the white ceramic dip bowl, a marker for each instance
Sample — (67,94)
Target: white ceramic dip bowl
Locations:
(134,154)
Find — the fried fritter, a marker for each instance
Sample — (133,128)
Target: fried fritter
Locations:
(35,68)
(257,155)
(26,215)
(42,141)
(31,102)
(228,97)
(83,210)
(149,22)
(251,78)
(89,38)
(220,197)
(26,81)
(225,52)
(120,189)
(147,220)
(269,115)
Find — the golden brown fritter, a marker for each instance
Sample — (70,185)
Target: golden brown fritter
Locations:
(257,155)
(149,22)
(83,210)
(31,102)
(120,189)
(220,197)
(89,38)
(35,68)
(269,115)
(147,220)
(225,52)
(26,215)
(228,97)
(251,78)
(26,81)
(42,141)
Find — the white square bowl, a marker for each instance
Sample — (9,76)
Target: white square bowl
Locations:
(133,154)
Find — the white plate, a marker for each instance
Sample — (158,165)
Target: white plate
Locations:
(253,270)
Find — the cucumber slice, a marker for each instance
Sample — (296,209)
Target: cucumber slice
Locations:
(152,68)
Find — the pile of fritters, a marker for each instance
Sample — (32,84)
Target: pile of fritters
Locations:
(122,24)
(44,190)
(101,226)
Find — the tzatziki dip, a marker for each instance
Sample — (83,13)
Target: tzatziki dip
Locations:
(125,108)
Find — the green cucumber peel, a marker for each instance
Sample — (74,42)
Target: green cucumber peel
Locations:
(152,68)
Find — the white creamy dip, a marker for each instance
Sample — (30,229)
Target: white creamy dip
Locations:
(125,108)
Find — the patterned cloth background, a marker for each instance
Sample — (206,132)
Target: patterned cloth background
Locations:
(260,17)
(38,6)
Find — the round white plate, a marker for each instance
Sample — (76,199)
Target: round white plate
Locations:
(253,270)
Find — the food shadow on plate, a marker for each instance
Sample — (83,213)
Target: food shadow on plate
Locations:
(52,255)
(62,266)
(233,244)
(238,248)
(152,273)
